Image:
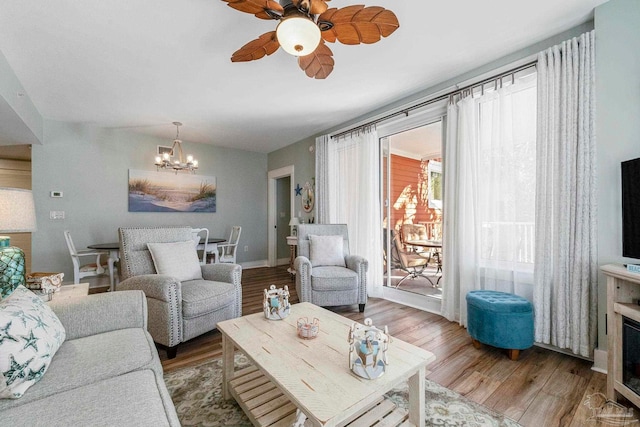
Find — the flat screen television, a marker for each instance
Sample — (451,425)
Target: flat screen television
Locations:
(631,208)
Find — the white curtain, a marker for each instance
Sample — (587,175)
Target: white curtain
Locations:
(322,184)
(489,201)
(352,174)
(566,258)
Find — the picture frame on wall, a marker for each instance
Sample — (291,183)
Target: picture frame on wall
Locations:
(151,191)
(164,149)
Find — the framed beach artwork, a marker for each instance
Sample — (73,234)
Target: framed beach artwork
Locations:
(151,191)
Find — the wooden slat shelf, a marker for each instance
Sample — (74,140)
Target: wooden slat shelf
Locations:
(266,406)
(627,393)
(623,294)
(628,310)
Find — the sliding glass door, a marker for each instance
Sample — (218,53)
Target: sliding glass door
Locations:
(412,194)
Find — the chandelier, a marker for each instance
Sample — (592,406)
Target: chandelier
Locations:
(167,161)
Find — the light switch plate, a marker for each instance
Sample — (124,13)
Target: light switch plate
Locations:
(56,215)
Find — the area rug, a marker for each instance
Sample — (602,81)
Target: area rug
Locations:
(197,395)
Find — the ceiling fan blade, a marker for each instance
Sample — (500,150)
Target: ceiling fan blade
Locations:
(266,44)
(319,64)
(318,7)
(358,24)
(258,8)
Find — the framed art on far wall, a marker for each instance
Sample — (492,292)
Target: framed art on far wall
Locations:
(151,191)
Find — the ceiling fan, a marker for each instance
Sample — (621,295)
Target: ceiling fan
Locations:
(305,26)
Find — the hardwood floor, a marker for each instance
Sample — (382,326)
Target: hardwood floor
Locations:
(542,388)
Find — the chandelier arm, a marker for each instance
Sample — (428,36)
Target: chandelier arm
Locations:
(178,143)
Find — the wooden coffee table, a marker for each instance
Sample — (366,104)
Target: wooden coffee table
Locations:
(291,373)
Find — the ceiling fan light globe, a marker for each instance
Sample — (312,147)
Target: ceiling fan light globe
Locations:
(298,35)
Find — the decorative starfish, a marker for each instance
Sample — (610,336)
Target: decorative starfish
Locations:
(16,370)
(4,333)
(298,190)
(30,341)
(21,315)
(35,375)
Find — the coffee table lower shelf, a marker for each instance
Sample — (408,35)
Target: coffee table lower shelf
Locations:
(266,406)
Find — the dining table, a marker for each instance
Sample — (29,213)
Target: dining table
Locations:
(114,255)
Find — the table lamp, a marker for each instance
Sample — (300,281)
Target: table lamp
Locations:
(17,215)
(294,222)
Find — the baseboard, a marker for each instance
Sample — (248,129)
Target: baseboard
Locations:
(600,361)
(254,264)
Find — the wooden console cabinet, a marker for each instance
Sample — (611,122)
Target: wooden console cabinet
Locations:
(623,293)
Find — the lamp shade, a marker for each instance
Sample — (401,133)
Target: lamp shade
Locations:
(294,221)
(17,210)
(298,35)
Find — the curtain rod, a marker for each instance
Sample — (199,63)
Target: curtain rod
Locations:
(406,111)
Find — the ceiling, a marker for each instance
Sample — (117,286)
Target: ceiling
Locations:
(143,64)
(421,143)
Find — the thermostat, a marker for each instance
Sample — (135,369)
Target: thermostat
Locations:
(56,194)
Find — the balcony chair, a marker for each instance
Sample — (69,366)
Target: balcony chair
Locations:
(227,251)
(411,262)
(409,232)
(87,269)
(185,299)
(326,273)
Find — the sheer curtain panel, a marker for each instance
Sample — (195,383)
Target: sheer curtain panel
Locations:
(322,184)
(489,195)
(353,177)
(566,279)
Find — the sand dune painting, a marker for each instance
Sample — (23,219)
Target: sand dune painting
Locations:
(151,191)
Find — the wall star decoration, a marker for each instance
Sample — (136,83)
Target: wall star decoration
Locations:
(298,190)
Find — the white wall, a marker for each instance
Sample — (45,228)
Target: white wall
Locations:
(90,166)
(617,25)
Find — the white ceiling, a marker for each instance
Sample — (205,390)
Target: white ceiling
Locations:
(142,64)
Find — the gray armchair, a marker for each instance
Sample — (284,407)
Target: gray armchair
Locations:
(178,310)
(329,279)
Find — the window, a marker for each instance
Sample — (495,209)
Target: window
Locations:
(434,170)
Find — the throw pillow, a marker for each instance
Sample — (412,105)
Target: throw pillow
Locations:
(177,259)
(326,250)
(30,334)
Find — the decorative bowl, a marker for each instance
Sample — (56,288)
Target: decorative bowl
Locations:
(308,330)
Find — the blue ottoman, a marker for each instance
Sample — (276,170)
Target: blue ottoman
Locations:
(500,320)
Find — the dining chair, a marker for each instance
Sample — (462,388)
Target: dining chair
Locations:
(201,237)
(227,251)
(87,269)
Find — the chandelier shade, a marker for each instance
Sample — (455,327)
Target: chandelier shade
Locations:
(168,160)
